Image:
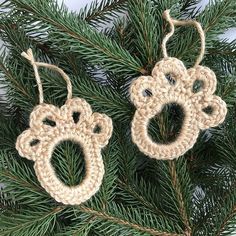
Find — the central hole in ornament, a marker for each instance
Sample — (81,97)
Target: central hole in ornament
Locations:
(68,162)
(166,126)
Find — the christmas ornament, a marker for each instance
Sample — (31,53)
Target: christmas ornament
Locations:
(162,92)
(39,141)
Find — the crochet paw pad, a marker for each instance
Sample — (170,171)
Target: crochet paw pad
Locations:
(150,93)
(74,121)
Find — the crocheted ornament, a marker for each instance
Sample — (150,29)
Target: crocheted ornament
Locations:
(38,142)
(180,92)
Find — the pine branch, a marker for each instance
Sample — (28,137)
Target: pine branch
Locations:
(175,190)
(145,27)
(6,203)
(189,6)
(180,198)
(143,195)
(223,54)
(219,208)
(19,36)
(81,228)
(131,190)
(115,219)
(68,163)
(102,98)
(123,33)
(227,223)
(223,48)
(223,213)
(20,181)
(126,223)
(214,18)
(219,12)
(134,190)
(11,78)
(8,130)
(94,46)
(107,192)
(29,223)
(139,196)
(18,93)
(102,12)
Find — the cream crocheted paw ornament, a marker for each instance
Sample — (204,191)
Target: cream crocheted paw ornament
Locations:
(39,141)
(181,92)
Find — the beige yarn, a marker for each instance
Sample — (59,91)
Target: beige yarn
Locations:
(181,92)
(38,142)
(173,22)
(30,57)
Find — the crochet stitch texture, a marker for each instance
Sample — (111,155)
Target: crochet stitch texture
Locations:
(39,141)
(181,92)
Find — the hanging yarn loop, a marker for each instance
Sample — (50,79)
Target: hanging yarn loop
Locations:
(173,22)
(29,56)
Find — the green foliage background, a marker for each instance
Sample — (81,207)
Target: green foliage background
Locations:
(194,195)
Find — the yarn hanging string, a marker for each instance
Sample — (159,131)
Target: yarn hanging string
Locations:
(173,22)
(29,56)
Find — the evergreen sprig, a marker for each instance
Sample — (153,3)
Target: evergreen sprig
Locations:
(77,35)
(193,195)
(100,12)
